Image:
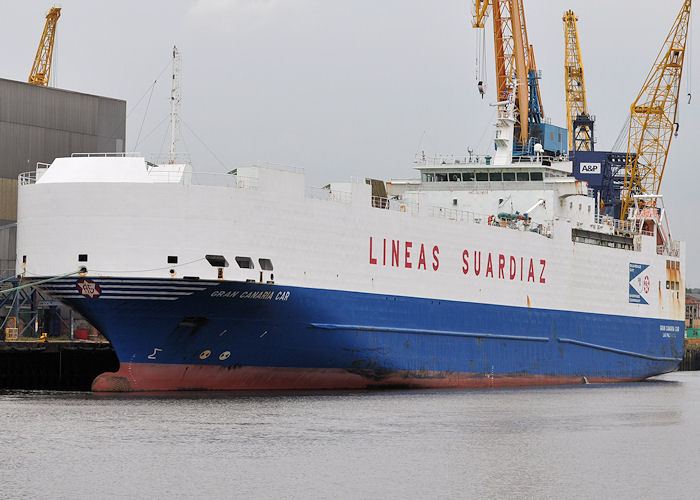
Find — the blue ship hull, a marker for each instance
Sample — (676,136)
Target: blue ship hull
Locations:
(179,334)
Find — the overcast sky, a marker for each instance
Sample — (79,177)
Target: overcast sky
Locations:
(348,88)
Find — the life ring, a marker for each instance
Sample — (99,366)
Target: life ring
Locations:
(490,220)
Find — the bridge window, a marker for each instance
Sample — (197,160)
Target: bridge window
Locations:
(508,176)
(535,176)
(441,177)
(467,176)
(495,176)
(482,176)
(523,176)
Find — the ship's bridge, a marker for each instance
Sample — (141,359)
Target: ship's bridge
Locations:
(480,169)
(538,187)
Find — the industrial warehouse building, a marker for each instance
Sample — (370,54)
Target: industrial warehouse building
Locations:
(39,124)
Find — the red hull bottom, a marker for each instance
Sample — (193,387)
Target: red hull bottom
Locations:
(164,377)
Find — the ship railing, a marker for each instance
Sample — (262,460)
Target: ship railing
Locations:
(543,159)
(272,165)
(403,206)
(187,177)
(328,195)
(458,215)
(31,177)
(116,154)
(624,226)
(224,180)
(544,228)
(674,250)
(217,179)
(452,159)
(27,178)
(177,158)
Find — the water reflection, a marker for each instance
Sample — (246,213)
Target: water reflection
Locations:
(587,441)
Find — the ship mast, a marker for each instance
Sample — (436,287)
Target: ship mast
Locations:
(505,127)
(174,103)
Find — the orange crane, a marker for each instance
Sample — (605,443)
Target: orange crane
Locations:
(515,59)
(41,69)
(653,117)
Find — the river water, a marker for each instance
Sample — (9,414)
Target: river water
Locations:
(637,440)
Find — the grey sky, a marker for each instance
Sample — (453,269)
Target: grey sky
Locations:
(348,88)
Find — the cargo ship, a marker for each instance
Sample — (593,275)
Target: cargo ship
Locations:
(483,272)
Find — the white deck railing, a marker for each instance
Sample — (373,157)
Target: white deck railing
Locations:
(328,195)
(170,176)
(463,216)
(484,160)
(616,224)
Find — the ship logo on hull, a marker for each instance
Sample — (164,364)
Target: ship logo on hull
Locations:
(640,284)
(89,288)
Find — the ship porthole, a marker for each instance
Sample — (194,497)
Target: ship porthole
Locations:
(224,355)
(205,354)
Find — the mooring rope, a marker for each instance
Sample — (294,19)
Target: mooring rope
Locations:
(41,282)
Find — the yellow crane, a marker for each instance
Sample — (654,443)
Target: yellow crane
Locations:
(653,116)
(41,69)
(581,136)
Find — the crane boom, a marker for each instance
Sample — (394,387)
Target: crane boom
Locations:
(580,138)
(41,69)
(653,115)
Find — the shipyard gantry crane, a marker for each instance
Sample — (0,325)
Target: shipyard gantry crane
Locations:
(578,121)
(653,116)
(41,69)
(515,62)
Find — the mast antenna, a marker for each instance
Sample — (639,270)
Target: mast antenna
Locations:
(175,99)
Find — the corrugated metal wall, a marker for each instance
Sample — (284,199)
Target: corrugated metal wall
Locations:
(40,124)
